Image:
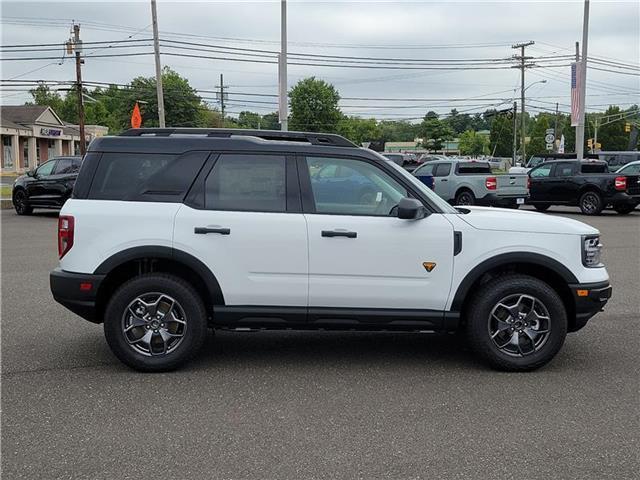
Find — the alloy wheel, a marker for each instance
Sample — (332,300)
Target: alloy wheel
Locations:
(519,325)
(19,201)
(154,324)
(590,203)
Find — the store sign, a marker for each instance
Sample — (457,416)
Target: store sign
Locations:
(50,132)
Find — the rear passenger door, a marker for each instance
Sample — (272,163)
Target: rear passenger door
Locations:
(244,220)
(441,183)
(562,188)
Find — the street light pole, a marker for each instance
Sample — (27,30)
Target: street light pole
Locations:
(583,83)
(522,68)
(283,109)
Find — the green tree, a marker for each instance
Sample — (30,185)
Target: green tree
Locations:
(314,106)
(473,144)
(501,136)
(537,144)
(250,120)
(434,132)
(398,131)
(458,122)
(359,130)
(42,95)
(271,121)
(612,135)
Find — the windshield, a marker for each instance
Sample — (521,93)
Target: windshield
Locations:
(430,194)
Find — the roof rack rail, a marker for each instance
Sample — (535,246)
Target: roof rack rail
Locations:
(328,139)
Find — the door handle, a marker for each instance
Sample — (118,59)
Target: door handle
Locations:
(339,233)
(205,230)
(444,180)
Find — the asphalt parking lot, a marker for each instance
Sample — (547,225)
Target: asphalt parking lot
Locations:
(312,405)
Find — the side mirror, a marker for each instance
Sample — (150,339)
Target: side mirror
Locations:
(31,173)
(411,209)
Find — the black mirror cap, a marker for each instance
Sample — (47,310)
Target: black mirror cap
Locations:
(411,209)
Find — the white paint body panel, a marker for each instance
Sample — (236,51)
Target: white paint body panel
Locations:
(263,261)
(382,267)
(106,227)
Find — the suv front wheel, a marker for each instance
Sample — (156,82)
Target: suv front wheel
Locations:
(516,323)
(155,322)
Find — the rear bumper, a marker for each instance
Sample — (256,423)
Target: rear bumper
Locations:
(589,298)
(494,200)
(623,198)
(77,292)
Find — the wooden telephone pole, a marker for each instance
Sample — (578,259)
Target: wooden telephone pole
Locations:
(76,45)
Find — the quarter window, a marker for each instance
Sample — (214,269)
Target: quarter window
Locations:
(247,183)
(356,188)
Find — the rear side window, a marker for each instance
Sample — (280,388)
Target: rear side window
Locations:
(145,177)
(442,170)
(473,168)
(247,183)
(594,168)
(67,165)
(564,170)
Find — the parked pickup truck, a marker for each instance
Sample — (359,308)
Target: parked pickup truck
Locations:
(464,182)
(587,184)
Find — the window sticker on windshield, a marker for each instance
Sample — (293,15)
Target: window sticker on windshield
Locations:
(378,197)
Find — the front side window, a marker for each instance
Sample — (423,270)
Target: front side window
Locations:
(357,188)
(46,169)
(65,166)
(247,183)
(542,171)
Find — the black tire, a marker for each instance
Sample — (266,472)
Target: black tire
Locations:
(624,209)
(479,318)
(190,303)
(21,203)
(541,207)
(465,197)
(591,203)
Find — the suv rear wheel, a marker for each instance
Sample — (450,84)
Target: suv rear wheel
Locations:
(516,323)
(465,197)
(155,322)
(591,203)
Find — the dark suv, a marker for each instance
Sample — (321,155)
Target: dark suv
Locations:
(48,186)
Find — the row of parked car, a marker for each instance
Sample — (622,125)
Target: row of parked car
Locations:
(556,180)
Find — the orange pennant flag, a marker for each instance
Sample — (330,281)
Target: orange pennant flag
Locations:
(136,117)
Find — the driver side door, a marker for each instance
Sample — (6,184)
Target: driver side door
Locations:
(39,189)
(363,257)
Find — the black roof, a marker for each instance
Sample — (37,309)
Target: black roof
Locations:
(180,140)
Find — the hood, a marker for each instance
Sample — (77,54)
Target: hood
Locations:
(503,219)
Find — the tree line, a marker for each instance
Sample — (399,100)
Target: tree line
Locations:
(314,106)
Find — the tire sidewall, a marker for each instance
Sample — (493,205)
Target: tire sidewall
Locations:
(26,209)
(466,194)
(599,205)
(487,298)
(191,304)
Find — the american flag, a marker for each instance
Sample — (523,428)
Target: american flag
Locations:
(575,93)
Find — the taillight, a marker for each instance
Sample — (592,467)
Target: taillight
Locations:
(491,183)
(65,234)
(621,183)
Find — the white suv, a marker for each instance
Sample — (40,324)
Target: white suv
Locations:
(173,231)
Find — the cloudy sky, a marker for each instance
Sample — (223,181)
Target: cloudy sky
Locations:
(452,32)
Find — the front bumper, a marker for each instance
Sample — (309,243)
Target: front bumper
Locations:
(589,298)
(77,292)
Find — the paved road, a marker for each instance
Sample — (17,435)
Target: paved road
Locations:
(312,405)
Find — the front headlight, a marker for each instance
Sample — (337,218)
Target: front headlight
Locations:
(591,251)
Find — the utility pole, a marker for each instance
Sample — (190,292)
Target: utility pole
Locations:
(515,133)
(583,83)
(221,95)
(283,109)
(523,65)
(555,131)
(156,51)
(77,46)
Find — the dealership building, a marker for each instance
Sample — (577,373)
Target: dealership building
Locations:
(31,134)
